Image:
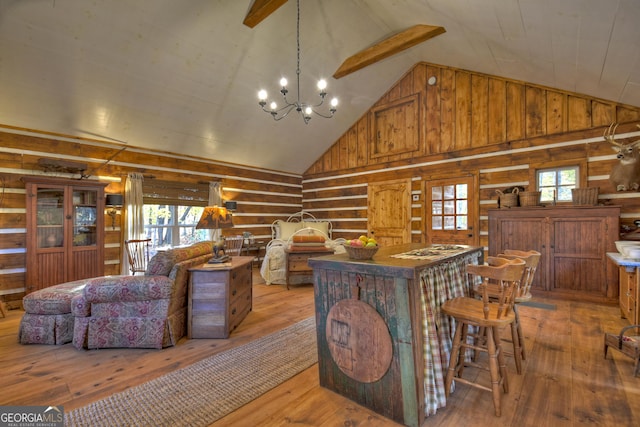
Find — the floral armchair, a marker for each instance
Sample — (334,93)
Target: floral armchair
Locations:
(138,311)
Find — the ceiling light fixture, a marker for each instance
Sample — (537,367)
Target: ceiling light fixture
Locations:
(305,110)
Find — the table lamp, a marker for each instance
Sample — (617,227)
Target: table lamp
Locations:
(215,218)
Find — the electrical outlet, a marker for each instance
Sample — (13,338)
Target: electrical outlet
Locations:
(416,197)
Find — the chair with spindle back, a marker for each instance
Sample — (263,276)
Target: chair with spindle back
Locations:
(233,245)
(138,254)
(489,315)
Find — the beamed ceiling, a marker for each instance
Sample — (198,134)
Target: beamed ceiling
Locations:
(183,76)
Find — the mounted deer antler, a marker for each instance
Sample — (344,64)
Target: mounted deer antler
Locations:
(626,174)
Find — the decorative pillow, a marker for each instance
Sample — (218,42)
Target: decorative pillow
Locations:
(322,226)
(161,263)
(308,238)
(284,230)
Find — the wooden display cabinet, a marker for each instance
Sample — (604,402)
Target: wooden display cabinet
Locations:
(65,231)
(573,242)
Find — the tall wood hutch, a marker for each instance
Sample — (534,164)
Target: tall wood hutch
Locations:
(573,242)
(65,231)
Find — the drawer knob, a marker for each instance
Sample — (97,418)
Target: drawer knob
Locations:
(233,311)
(234,292)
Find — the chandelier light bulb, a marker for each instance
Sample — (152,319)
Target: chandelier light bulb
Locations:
(283,82)
(334,102)
(273,106)
(262,95)
(308,111)
(322,84)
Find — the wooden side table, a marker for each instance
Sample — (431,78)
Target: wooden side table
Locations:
(220,297)
(297,262)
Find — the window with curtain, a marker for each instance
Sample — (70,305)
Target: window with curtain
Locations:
(171,212)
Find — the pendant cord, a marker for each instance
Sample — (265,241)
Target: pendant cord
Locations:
(298,44)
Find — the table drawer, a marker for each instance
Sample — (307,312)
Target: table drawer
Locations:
(239,308)
(299,263)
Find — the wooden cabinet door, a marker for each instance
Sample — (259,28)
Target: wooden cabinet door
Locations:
(523,234)
(65,231)
(579,254)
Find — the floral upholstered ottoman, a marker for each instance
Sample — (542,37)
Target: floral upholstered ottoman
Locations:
(48,318)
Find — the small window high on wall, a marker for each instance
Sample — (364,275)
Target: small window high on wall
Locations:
(555,184)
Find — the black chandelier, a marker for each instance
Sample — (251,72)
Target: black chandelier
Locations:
(305,110)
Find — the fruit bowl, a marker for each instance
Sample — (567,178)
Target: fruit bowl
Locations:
(361,252)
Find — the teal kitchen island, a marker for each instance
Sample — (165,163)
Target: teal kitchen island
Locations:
(382,340)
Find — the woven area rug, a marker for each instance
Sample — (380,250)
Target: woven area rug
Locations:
(206,391)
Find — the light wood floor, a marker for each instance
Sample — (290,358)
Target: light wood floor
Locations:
(566,381)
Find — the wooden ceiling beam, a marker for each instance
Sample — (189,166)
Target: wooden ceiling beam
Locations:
(388,47)
(260,10)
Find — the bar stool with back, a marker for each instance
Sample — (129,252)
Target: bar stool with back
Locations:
(531,259)
(489,315)
(523,293)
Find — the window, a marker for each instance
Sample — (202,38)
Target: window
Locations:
(170,226)
(556,183)
(449,207)
(171,212)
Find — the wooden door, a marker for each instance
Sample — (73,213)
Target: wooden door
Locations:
(389,212)
(451,211)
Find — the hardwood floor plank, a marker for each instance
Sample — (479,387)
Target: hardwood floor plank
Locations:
(566,380)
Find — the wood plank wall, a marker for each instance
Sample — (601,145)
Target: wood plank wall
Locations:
(470,123)
(262,195)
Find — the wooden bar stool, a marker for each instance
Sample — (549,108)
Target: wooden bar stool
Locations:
(490,315)
(523,293)
(531,259)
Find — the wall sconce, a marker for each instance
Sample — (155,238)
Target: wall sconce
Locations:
(113,201)
(231,206)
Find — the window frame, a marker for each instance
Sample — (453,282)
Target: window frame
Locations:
(581,179)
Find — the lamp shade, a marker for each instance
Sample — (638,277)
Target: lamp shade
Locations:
(214,217)
(114,200)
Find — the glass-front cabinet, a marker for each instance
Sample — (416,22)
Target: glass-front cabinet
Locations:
(65,231)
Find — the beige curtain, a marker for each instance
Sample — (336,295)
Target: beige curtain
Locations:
(215,199)
(133,212)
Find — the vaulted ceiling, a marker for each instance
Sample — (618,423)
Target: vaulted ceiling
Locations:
(183,76)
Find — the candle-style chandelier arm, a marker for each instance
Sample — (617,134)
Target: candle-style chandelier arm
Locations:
(278,114)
